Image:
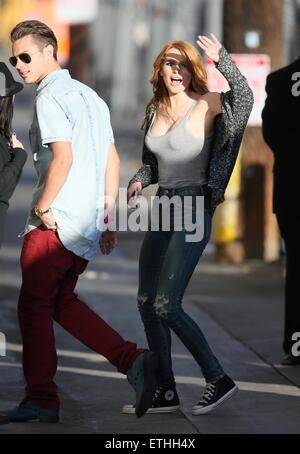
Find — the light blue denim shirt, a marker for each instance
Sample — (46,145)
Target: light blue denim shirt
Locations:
(67,110)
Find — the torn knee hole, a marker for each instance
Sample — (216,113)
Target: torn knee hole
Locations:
(160,305)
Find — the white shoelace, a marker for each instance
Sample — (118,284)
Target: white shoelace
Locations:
(208,393)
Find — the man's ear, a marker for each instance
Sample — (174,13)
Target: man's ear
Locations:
(49,51)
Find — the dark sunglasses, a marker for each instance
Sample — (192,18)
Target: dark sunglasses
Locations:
(24,57)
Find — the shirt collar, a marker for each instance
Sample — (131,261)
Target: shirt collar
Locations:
(54,75)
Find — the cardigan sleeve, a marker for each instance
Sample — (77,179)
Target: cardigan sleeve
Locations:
(236,106)
(148,173)
(238,101)
(11,172)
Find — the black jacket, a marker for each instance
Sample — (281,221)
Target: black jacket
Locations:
(10,172)
(236,106)
(281,131)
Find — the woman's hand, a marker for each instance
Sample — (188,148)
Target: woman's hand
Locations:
(15,143)
(211,47)
(134,187)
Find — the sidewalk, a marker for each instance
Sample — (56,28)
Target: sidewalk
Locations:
(93,393)
(239,308)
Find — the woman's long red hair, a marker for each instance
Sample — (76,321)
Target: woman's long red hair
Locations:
(195,66)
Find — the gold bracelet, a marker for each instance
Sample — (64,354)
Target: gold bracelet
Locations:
(39,213)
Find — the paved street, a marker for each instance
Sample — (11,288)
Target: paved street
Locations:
(239,308)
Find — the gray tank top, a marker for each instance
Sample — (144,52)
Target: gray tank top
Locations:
(182,158)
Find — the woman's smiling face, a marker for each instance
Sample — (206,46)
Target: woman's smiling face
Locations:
(175,72)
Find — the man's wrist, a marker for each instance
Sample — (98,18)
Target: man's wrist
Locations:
(39,212)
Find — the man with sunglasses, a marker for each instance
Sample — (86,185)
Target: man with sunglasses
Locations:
(77,167)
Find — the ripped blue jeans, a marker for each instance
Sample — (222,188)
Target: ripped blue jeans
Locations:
(166,264)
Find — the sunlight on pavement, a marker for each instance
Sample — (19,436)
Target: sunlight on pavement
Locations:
(269,388)
(92,357)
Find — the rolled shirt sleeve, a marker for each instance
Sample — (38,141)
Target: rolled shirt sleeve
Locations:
(53,121)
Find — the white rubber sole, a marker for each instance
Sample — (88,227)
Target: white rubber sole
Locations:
(130,409)
(198,410)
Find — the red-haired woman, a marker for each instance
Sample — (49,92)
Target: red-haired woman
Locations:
(192,137)
(12,154)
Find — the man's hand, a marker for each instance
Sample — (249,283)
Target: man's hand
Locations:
(108,242)
(49,221)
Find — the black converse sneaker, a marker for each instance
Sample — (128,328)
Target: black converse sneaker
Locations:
(165,400)
(214,395)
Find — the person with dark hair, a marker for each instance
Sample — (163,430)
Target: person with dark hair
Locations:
(280,126)
(12,153)
(77,166)
(192,138)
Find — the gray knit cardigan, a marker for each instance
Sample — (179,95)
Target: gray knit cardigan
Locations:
(236,106)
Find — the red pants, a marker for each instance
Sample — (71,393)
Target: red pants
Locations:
(50,273)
